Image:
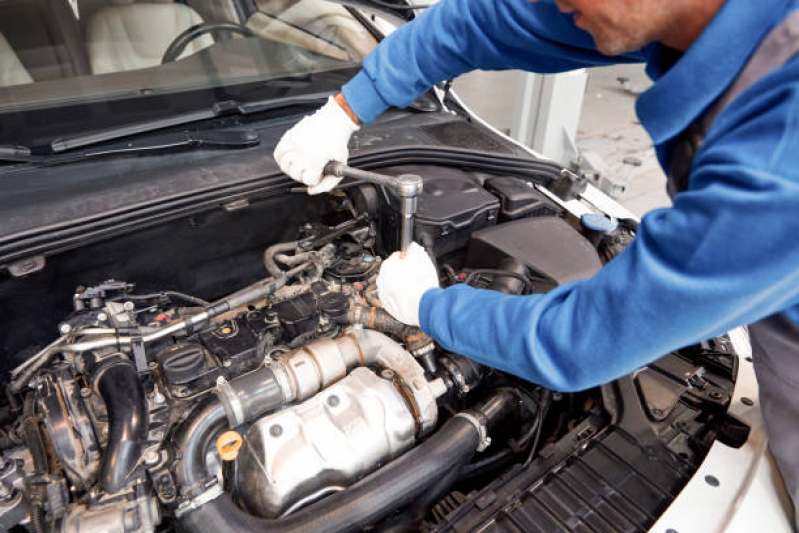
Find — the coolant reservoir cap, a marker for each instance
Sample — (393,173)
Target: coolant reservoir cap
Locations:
(598,223)
(228,445)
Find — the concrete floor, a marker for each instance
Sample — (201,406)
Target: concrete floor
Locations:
(609,136)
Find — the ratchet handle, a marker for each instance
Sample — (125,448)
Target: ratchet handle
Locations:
(407,187)
(334,168)
(340,170)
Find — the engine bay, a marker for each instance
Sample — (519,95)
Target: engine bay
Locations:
(263,387)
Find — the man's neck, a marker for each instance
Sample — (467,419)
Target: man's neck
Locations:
(688,23)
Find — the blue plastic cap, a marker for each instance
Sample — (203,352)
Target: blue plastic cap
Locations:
(598,223)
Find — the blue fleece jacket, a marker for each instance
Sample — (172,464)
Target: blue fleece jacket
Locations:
(726,254)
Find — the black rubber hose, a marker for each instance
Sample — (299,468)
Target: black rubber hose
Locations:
(511,278)
(253,394)
(411,518)
(172,295)
(33,440)
(272,251)
(120,387)
(365,502)
(379,319)
(193,438)
(375,496)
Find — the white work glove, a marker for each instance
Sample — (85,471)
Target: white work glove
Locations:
(403,280)
(316,140)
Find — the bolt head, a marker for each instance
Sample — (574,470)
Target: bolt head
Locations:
(128,306)
(409,185)
(64,328)
(151,457)
(102,317)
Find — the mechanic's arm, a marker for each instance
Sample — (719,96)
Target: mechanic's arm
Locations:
(725,255)
(448,39)
(457,36)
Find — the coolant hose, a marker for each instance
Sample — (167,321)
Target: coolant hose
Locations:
(378,319)
(375,496)
(120,387)
(272,251)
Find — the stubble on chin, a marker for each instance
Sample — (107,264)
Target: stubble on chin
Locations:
(611,43)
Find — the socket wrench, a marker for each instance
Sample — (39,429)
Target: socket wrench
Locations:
(407,187)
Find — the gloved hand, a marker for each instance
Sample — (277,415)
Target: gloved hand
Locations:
(316,140)
(403,280)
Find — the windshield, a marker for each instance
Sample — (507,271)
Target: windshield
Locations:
(56,52)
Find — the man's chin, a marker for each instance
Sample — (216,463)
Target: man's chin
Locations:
(614,47)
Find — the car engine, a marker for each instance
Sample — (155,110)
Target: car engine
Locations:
(294,402)
(286,392)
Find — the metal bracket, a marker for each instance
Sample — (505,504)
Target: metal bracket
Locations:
(209,495)
(139,355)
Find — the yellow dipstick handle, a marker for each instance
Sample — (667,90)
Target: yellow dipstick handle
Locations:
(228,445)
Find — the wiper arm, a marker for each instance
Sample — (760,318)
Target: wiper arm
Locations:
(209,138)
(222,139)
(20,154)
(219,109)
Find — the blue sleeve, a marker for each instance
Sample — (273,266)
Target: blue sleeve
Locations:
(726,254)
(457,36)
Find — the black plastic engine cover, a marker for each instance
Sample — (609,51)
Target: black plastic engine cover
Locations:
(452,205)
(298,315)
(519,199)
(549,246)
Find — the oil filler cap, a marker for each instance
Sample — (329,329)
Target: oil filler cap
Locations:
(182,363)
(228,445)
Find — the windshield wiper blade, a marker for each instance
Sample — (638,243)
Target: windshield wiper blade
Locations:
(207,138)
(259,106)
(166,141)
(219,109)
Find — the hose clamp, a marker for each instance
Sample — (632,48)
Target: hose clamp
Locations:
(283,380)
(195,503)
(482,430)
(231,402)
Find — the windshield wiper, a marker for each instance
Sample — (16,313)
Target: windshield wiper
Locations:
(20,154)
(166,141)
(219,109)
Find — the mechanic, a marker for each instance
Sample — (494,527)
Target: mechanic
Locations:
(723,114)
